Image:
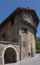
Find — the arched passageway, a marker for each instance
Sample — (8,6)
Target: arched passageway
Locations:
(10,56)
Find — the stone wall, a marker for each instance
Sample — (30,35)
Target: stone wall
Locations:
(11,31)
(28,47)
(3,48)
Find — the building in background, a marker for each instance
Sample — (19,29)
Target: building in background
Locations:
(18,35)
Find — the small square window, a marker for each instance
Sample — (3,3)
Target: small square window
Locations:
(24,30)
(3,35)
(12,21)
(28,54)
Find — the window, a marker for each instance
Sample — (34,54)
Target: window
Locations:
(24,30)
(29,54)
(3,35)
(12,21)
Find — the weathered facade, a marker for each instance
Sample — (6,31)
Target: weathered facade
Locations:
(17,35)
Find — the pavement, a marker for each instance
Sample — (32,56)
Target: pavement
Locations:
(32,61)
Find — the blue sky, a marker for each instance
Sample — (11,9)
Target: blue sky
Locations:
(8,6)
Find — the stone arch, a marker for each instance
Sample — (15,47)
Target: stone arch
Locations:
(5,49)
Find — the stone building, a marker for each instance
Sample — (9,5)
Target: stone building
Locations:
(18,35)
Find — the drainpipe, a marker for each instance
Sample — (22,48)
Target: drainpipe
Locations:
(19,39)
(31,50)
(20,45)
